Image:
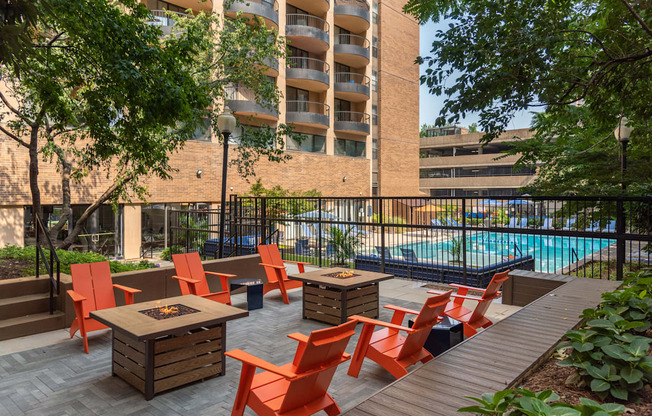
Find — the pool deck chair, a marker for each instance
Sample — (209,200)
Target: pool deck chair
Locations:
(611,227)
(192,278)
(92,290)
(392,351)
(513,222)
(388,254)
(476,318)
(523,223)
(277,277)
(547,224)
(594,227)
(569,223)
(436,223)
(297,388)
(409,255)
(451,221)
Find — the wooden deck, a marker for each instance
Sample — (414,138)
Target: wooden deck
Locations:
(492,360)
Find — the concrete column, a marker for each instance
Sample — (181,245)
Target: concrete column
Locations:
(132,231)
(12,225)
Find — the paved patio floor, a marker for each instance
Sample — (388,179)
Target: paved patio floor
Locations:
(49,374)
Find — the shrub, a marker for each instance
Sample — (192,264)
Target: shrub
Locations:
(168,252)
(546,403)
(67,258)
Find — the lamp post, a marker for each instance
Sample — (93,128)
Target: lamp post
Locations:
(622,133)
(226,125)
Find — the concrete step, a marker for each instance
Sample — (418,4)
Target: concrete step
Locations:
(31,324)
(24,305)
(23,286)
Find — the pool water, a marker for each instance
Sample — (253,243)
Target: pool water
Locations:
(550,253)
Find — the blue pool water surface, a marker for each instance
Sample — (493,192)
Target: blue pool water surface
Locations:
(550,253)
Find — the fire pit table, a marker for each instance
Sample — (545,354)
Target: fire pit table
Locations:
(332,295)
(159,345)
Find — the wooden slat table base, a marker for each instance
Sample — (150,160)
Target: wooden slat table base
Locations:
(333,305)
(160,364)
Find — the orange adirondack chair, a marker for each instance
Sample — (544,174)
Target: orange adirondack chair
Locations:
(390,349)
(277,277)
(475,319)
(92,290)
(297,388)
(192,278)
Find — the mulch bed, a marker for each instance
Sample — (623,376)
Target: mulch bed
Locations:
(14,268)
(551,376)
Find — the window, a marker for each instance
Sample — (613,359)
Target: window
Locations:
(374,12)
(352,148)
(203,133)
(374,149)
(375,47)
(374,115)
(311,143)
(164,5)
(374,80)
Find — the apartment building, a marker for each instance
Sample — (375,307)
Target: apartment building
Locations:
(453,163)
(350,85)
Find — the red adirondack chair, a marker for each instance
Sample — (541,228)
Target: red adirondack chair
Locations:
(277,277)
(92,290)
(391,350)
(297,388)
(192,278)
(475,319)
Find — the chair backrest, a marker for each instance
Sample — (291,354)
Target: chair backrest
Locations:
(388,254)
(324,349)
(269,254)
(513,222)
(409,255)
(452,221)
(427,318)
(302,246)
(490,294)
(189,265)
(547,224)
(523,223)
(93,281)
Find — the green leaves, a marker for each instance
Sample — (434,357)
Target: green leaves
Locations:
(545,403)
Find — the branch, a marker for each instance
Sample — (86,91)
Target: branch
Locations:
(637,17)
(14,110)
(13,136)
(594,38)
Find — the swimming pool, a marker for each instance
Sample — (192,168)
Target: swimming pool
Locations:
(550,253)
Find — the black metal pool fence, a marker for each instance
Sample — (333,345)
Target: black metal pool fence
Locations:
(438,239)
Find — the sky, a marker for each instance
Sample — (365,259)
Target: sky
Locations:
(430,105)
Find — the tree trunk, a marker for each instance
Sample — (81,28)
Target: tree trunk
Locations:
(33,174)
(79,224)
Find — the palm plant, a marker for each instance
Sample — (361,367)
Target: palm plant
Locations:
(343,243)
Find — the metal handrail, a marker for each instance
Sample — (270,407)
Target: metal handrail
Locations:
(307,107)
(272,4)
(294,19)
(352,77)
(348,39)
(162,17)
(308,63)
(352,116)
(49,266)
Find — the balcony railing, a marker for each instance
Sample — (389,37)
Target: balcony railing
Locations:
(307,20)
(362,4)
(164,17)
(352,78)
(308,112)
(267,9)
(297,62)
(352,116)
(355,40)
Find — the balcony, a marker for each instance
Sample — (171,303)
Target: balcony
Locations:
(352,122)
(307,73)
(165,21)
(351,86)
(267,9)
(242,101)
(319,7)
(352,15)
(308,113)
(352,50)
(307,32)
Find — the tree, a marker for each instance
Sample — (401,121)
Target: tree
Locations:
(424,128)
(587,63)
(473,128)
(279,208)
(102,91)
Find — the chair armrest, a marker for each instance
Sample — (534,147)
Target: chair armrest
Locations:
(371,321)
(221,274)
(127,289)
(467,297)
(76,297)
(296,262)
(257,362)
(187,280)
(271,265)
(400,309)
(298,336)
(477,289)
